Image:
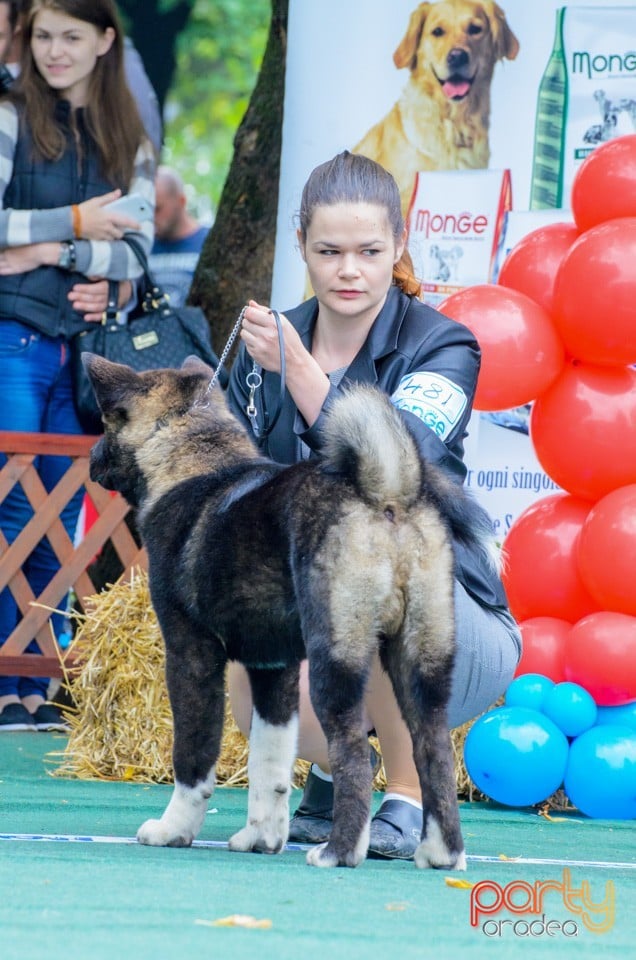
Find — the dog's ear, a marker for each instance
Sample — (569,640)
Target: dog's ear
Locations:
(195,364)
(506,44)
(406,53)
(113,383)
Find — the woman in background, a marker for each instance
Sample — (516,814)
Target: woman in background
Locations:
(71,141)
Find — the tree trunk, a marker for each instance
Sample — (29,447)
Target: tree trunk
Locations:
(237,259)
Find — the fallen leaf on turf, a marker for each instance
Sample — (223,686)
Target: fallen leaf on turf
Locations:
(547,816)
(237,920)
(502,856)
(460,884)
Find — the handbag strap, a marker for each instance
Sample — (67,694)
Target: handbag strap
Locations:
(111,313)
(154,294)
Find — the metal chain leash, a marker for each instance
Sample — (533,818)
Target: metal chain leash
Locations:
(226,349)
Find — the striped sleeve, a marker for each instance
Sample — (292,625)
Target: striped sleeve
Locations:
(115,260)
(20,227)
(95,258)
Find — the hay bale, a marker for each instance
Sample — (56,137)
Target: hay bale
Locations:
(121,724)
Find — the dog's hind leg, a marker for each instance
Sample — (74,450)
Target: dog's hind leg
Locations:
(197,695)
(272,750)
(421,690)
(337,691)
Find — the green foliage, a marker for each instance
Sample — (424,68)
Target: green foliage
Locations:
(218,57)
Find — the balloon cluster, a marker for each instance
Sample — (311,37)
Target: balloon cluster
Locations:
(559,331)
(552,734)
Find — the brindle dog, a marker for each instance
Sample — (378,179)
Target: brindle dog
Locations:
(331,559)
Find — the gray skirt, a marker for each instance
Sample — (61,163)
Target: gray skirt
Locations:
(488,651)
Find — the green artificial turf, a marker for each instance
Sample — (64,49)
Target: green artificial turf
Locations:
(87,900)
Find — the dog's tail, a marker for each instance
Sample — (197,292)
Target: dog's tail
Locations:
(367,440)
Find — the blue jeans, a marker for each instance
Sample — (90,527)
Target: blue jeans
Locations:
(35,397)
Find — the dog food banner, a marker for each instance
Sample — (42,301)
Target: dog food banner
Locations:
(514,94)
(455,228)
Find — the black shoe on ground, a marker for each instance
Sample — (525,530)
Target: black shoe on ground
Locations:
(14,717)
(396,831)
(48,717)
(313,820)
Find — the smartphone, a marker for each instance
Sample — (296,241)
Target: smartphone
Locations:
(132,205)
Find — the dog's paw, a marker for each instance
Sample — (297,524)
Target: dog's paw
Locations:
(325,856)
(431,855)
(157,833)
(254,840)
(319,857)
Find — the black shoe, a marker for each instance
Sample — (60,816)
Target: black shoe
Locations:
(48,717)
(14,717)
(396,831)
(313,820)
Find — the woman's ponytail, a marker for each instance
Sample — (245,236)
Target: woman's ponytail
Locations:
(404,276)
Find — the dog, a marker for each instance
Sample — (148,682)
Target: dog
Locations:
(445,262)
(441,120)
(331,559)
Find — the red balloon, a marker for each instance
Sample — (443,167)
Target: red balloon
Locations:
(539,570)
(606,551)
(595,295)
(584,429)
(600,655)
(532,264)
(604,186)
(521,351)
(543,647)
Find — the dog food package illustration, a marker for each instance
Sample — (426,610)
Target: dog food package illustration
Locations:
(455,224)
(587,95)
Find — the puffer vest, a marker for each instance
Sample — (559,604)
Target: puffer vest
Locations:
(38,298)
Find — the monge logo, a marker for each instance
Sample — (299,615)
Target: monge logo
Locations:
(613,64)
(488,899)
(462,224)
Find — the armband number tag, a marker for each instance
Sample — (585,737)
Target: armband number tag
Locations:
(436,400)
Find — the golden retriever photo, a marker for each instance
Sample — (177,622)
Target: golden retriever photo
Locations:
(440,122)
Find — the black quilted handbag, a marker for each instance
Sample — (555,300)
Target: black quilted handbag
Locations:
(155,335)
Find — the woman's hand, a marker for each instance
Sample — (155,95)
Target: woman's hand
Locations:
(91,298)
(259,333)
(305,381)
(98,223)
(28,257)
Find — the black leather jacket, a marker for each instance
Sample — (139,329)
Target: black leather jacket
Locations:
(407,336)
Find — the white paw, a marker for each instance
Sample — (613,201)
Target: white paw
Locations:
(430,855)
(317,857)
(261,839)
(158,833)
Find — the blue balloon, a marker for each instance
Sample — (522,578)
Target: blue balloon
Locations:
(528,690)
(516,755)
(600,778)
(571,707)
(623,715)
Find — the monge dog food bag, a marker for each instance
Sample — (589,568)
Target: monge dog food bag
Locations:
(587,96)
(455,223)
